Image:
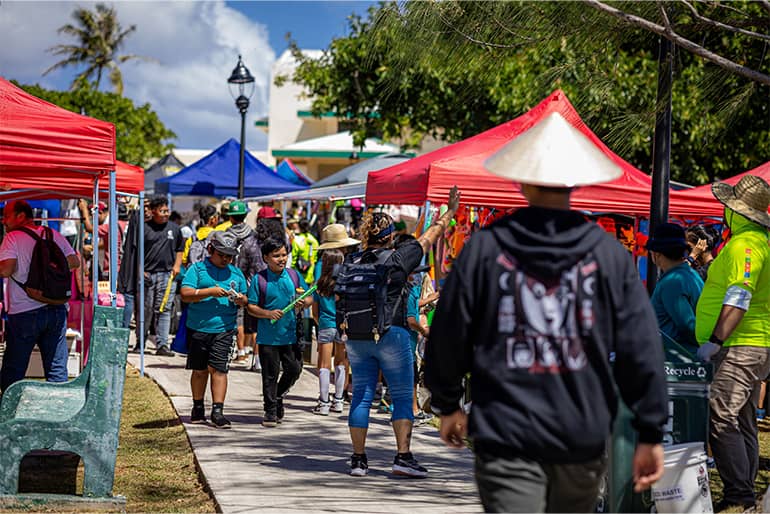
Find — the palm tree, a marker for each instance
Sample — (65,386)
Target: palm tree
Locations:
(99,36)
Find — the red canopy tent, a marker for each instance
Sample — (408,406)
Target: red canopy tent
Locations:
(429,177)
(43,146)
(700,201)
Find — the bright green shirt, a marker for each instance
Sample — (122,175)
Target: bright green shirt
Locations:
(305,246)
(744,262)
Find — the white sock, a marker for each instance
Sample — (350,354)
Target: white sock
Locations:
(339,381)
(323,383)
(241,352)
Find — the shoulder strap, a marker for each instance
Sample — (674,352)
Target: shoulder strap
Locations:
(294,277)
(31,233)
(262,287)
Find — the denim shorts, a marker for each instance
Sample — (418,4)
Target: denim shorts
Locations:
(328,335)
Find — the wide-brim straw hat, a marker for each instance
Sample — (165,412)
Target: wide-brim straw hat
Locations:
(750,198)
(335,236)
(553,153)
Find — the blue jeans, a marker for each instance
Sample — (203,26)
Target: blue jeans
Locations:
(154,288)
(45,327)
(393,355)
(128,310)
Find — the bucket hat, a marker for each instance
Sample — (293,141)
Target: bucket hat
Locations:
(335,236)
(667,237)
(553,153)
(224,242)
(267,213)
(237,208)
(750,198)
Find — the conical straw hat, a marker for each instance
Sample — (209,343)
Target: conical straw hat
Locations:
(553,153)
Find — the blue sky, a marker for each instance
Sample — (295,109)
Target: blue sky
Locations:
(194,46)
(312,24)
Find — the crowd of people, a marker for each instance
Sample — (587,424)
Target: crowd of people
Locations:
(543,310)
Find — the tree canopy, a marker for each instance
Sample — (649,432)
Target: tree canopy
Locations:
(99,36)
(140,134)
(453,69)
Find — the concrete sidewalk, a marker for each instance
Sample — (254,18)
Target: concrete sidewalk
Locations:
(302,465)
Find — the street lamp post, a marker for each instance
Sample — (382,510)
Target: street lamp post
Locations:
(242,82)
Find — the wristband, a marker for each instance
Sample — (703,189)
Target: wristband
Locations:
(714,339)
(691,260)
(196,293)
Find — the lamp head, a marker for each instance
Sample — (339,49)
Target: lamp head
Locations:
(241,81)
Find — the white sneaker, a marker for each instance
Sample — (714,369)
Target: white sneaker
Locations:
(337,405)
(322,408)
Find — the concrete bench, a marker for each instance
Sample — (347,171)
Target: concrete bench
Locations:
(81,416)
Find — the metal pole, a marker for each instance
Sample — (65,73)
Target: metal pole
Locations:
(661,150)
(113,210)
(95,244)
(241,177)
(139,299)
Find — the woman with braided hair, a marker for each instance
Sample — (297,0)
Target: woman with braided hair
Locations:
(390,351)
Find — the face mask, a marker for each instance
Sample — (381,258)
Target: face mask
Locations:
(727,215)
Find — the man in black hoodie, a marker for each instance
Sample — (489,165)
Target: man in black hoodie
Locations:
(548,314)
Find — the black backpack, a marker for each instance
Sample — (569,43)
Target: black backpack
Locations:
(49,280)
(362,291)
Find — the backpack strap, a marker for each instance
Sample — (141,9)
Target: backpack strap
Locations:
(34,235)
(262,287)
(294,277)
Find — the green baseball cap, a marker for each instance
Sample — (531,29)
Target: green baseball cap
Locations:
(237,208)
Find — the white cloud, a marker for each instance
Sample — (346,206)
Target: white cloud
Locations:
(196,45)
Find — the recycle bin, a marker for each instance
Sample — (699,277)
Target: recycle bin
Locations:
(688,384)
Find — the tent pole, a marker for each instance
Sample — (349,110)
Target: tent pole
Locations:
(139,299)
(168,199)
(95,244)
(661,151)
(113,210)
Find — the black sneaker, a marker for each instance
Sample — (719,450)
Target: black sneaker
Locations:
(198,415)
(269,421)
(346,396)
(279,410)
(219,420)
(164,352)
(359,466)
(406,465)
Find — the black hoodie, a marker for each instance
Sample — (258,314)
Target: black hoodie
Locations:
(559,409)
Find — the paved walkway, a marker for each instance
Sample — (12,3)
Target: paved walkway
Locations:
(302,465)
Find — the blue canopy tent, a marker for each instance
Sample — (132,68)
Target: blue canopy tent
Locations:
(217,175)
(286,169)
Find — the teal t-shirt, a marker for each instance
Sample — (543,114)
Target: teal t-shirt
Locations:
(213,315)
(674,301)
(280,293)
(413,310)
(327,311)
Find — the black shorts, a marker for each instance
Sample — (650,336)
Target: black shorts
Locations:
(206,350)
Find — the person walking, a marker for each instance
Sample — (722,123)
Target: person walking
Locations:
(249,261)
(215,291)
(163,249)
(332,252)
(679,287)
(732,325)
(378,338)
(31,322)
(272,290)
(547,313)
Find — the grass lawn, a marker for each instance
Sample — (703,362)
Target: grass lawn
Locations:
(155,469)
